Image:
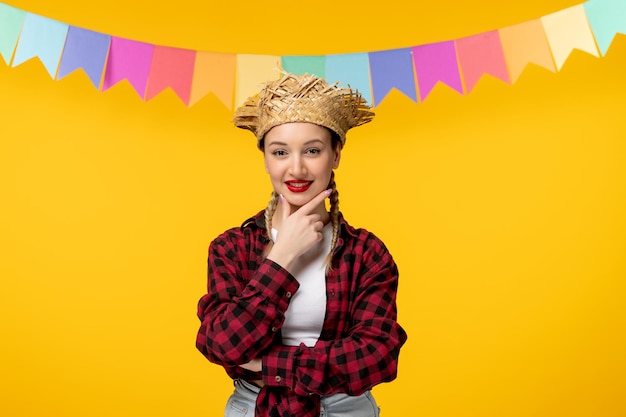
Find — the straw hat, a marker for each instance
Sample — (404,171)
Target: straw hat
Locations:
(303,98)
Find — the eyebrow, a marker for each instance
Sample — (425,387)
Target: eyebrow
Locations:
(309,142)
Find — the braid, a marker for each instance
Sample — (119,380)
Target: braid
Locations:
(334,216)
(269,213)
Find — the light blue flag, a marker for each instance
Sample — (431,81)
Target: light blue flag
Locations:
(314,65)
(606,18)
(11,20)
(350,70)
(42,38)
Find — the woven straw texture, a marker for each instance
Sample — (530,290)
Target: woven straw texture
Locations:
(303,98)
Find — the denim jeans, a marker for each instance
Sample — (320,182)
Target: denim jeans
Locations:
(241,403)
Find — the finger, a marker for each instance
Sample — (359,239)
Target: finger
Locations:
(285,209)
(315,218)
(315,201)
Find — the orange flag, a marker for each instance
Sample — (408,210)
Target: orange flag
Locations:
(214,73)
(523,44)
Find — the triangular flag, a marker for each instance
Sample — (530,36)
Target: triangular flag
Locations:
(214,72)
(87,50)
(523,44)
(392,69)
(11,21)
(314,65)
(128,60)
(568,30)
(350,70)
(481,54)
(252,72)
(173,68)
(436,62)
(42,38)
(606,17)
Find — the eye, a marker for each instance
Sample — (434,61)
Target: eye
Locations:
(312,151)
(279,152)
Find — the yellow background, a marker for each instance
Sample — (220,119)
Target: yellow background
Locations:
(504,209)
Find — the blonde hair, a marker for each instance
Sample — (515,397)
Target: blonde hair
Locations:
(334,218)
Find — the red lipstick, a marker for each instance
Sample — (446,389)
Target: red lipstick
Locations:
(298,186)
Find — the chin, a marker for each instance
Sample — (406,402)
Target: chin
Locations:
(299,199)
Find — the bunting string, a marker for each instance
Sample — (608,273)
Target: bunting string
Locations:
(192,75)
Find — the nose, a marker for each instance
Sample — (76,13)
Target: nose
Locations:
(298,166)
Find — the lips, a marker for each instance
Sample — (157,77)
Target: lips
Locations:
(298,186)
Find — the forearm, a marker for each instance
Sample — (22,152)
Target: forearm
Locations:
(351,365)
(238,324)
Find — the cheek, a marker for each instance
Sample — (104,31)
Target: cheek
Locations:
(332,164)
(273,171)
(271,167)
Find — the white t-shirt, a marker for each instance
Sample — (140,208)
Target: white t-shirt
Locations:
(304,317)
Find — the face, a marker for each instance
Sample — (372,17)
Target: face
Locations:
(299,158)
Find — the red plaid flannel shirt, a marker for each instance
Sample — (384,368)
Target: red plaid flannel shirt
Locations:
(244,310)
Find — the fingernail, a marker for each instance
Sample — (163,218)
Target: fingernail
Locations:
(328,192)
(281,198)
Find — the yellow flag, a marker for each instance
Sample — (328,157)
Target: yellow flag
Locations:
(252,72)
(567,30)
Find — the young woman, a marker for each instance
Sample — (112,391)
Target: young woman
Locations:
(301,306)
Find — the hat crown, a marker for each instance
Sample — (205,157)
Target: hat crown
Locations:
(303,98)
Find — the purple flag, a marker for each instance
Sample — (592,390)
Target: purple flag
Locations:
(436,62)
(130,60)
(392,69)
(87,50)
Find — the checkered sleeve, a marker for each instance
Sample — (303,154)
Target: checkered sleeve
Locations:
(244,308)
(367,354)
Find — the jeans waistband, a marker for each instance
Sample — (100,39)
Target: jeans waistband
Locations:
(243,384)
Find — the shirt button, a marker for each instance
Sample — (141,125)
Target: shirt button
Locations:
(274,329)
(288,294)
(277,378)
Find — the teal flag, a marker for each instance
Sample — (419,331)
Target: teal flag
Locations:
(314,65)
(11,20)
(606,18)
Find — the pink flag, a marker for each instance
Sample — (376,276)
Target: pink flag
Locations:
(481,54)
(128,60)
(436,62)
(173,68)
